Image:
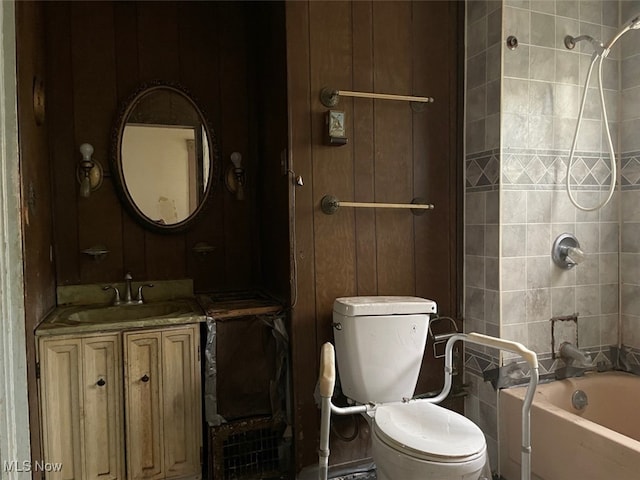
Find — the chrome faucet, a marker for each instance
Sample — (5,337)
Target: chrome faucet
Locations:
(127,292)
(140,299)
(576,362)
(128,295)
(570,354)
(116,298)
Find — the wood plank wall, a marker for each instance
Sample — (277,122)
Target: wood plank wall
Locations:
(393,155)
(37,230)
(98,54)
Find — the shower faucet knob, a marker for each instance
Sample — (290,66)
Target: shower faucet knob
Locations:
(566,252)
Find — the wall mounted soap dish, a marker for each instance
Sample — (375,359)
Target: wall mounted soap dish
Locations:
(97,252)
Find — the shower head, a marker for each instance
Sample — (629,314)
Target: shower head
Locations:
(633,24)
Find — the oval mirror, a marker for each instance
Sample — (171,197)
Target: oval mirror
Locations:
(164,157)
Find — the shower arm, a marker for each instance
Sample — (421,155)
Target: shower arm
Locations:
(570,42)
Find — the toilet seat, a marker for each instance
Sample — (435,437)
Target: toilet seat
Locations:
(429,432)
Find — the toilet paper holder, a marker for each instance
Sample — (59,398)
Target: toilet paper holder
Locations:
(441,338)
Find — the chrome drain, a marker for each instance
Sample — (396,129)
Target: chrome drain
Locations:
(579,400)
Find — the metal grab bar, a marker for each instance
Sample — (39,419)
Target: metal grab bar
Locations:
(330,96)
(327,382)
(331,204)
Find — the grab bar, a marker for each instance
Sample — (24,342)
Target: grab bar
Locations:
(330,96)
(330,205)
(327,382)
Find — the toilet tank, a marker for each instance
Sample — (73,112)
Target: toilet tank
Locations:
(380,342)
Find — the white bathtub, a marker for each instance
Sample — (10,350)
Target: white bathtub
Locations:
(601,442)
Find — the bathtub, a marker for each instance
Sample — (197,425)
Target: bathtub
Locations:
(600,442)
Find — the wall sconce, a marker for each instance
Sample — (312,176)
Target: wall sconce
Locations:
(234,177)
(88,171)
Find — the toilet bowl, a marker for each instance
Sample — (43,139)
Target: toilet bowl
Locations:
(419,441)
(379,343)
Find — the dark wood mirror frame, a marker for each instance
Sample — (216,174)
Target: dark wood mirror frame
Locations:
(117,171)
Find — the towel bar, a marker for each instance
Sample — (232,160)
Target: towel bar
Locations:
(331,204)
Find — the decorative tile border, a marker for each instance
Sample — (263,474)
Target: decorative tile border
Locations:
(632,357)
(516,371)
(477,362)
(630,171)
(546,169)
(482,171)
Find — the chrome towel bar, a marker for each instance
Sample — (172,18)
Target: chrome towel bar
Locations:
(331,204)
(330,96)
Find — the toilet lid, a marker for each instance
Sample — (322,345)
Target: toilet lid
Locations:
(428,431)
(383,305)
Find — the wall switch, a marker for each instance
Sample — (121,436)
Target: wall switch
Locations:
(336,131)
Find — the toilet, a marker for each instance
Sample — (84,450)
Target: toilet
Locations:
(379,344)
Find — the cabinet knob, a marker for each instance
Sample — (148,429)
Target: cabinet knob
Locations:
(145,378)
(101,382)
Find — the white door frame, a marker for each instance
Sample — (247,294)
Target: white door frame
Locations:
(14,405)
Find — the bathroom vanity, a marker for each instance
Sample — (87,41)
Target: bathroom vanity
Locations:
(112,376)
(123,388)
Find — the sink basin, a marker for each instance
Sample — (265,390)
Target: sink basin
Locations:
(123,313)
(98,315)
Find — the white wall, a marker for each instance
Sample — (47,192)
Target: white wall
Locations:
(14,407)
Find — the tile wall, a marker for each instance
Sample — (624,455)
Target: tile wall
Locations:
(630,180)
(521,111)
(541,96)
(482,214)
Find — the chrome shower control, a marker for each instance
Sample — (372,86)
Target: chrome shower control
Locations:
(566,252)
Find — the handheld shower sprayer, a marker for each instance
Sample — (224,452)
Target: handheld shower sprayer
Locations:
(601,51)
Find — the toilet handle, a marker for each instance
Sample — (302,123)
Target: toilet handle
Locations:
(337,325)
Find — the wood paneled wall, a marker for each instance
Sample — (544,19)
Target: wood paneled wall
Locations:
(37,230)
(234,63)
(98,54)
(393,155)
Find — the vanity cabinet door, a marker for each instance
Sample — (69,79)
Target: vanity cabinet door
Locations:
(163,405)
(102,386)
(143,404)
(181,401)
(60,365)
(81,406)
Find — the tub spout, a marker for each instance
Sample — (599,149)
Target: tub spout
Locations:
(574,357)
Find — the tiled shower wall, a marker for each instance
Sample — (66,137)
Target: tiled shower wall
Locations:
(482,207)
(630,148)
(542,87)
(521,111)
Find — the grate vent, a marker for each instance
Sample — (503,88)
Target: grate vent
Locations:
(247,450)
